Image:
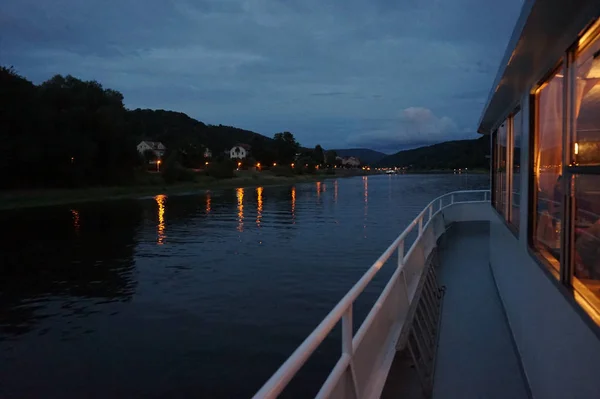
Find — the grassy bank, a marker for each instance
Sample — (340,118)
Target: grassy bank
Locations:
(44,197)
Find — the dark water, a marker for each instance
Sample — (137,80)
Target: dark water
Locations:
(192,296)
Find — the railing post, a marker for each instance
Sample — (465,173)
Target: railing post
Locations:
(401,253)
(485,196)
(441,203)
(347,347)
(420,225)
(452,199)
(347,331)
(430,211)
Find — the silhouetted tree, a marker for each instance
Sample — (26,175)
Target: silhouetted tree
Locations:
(318,155)
(330,157)
(286,147)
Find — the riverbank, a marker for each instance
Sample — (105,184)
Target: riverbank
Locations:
(16,199)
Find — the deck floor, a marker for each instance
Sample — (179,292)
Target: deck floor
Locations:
(476,356)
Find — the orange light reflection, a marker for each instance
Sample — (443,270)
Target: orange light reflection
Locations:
(240,200)
(208,199)
(160,228)
(259,205)
(294,204)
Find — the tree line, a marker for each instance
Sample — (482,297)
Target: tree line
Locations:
(66,132)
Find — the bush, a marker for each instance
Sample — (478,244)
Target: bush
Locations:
(285,171)
(310,169)
(172,171)
(221,170)
(330,171)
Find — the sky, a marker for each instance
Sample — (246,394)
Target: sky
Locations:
(379,74)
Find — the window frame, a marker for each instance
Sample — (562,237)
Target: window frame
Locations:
(505,211)
(511,141)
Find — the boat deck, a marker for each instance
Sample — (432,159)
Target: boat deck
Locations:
(476,356)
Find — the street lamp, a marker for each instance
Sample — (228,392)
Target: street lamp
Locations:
(158,165)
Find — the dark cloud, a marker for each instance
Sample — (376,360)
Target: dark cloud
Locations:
(333,72)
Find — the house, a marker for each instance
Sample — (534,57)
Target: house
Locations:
(351,162)
(156,147)
(207,153)
(239,151)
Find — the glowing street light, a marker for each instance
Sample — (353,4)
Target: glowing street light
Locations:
(292,164)
(274,163)
(158,165)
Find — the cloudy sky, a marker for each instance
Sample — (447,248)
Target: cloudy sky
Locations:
(382,74)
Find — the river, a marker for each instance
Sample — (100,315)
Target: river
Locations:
(199,295)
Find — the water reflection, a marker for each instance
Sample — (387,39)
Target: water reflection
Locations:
(293,204)
(56,285)
(240,208)
(318,189)
(160,228)
(335,190)
(75,215)
(46,271)
(259,205)
(366,200)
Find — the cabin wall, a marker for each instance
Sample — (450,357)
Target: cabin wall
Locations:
(558,350)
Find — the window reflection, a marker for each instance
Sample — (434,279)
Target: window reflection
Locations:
(517,129)
(160,228)
(259,205)
(586,95)
(240,209)
(547,169)
(585,151)
(587,231)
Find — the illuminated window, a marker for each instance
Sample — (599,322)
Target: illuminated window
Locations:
(547,170)
(584,158)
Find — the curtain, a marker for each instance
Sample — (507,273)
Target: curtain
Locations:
(549,156)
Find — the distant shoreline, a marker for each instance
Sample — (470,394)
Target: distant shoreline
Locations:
(447,172)
(19,199)
(34,198)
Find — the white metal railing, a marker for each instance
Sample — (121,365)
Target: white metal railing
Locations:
(353,376)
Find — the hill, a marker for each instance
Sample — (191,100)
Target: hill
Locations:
(364,154)
(178,130)
(447,155)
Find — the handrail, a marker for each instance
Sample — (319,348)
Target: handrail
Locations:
(343,310)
